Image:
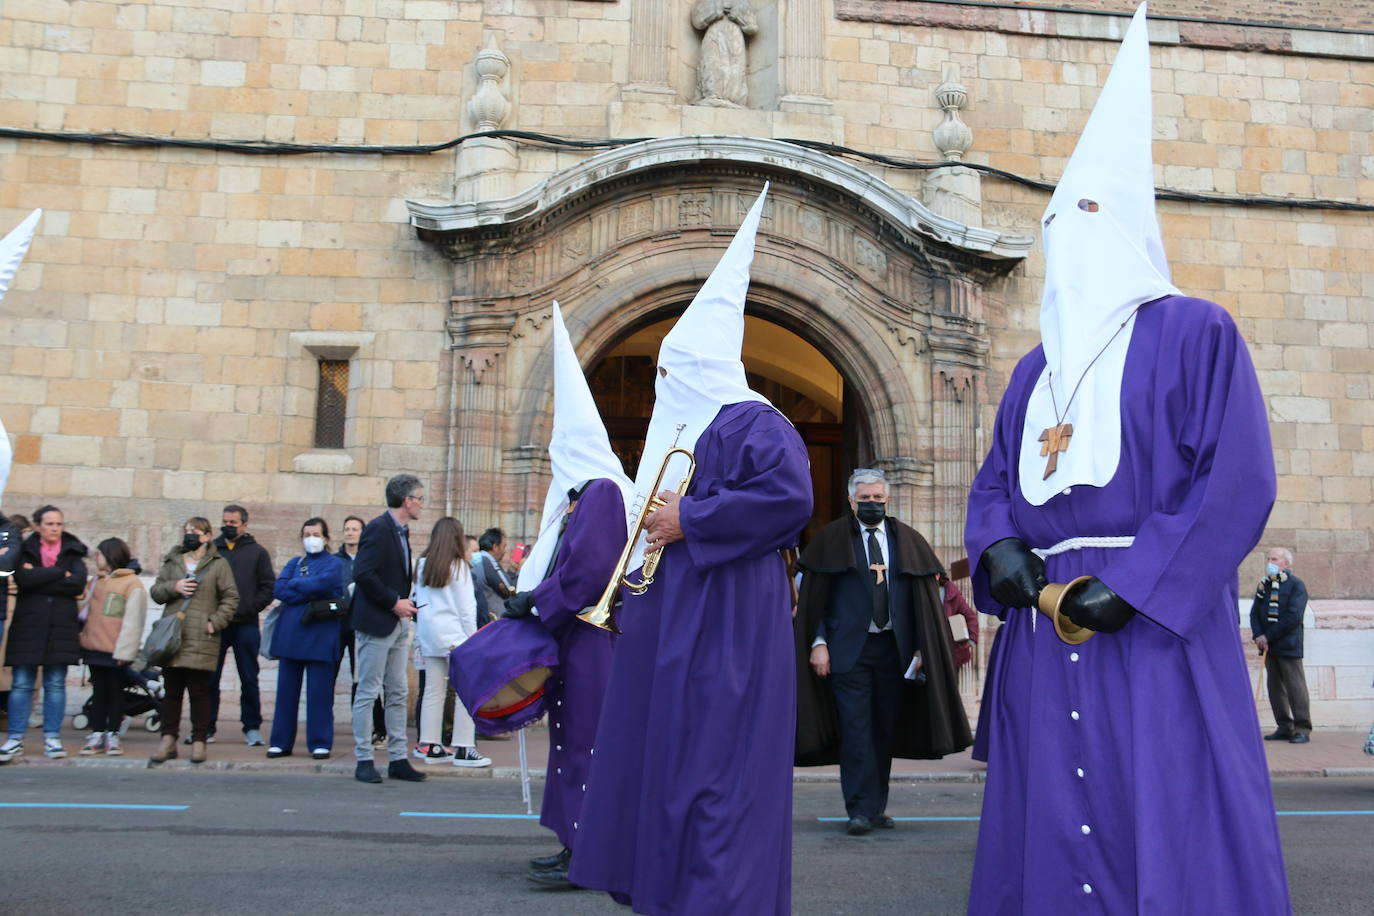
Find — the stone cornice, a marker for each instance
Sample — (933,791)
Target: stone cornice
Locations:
(902,211)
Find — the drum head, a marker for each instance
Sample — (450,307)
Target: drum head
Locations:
(516,693)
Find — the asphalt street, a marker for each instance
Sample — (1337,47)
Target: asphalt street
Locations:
(278,843)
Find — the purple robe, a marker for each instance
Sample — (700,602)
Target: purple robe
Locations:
(1127,774)
(586,558)
(689,807)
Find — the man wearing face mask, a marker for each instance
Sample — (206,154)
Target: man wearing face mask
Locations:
(875,668)
(253,575)
(1276,625)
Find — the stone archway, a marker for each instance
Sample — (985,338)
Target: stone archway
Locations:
(886,290)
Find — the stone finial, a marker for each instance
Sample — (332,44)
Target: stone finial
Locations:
(489,106)
(953,137)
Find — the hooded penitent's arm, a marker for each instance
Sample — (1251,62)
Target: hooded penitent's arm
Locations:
(1217,421)
(762,503)
(588,553)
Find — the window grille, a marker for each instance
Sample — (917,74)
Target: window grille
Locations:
(331,404)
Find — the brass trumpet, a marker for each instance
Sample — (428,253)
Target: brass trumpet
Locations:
(602,614)
(1051,603)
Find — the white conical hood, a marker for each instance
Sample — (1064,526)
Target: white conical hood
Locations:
(1104,257)
(579,451)
(699,368)
(13,247)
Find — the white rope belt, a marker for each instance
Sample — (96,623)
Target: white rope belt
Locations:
(1080,543)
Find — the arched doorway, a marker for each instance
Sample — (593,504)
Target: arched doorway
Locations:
(783,366)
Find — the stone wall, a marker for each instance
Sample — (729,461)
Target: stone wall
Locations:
(159,359)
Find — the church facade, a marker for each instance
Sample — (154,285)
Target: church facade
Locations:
(287,325)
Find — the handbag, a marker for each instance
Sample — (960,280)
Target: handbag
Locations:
(269,627)
(322,609)
(163,642)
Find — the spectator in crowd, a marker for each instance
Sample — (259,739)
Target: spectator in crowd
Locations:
(45,631)
(383,622)
(447,616)
(956,606)
(1276,625)
(253,577)
(306,643)
(195,580)
(490,577)
(109,641)
(869,622)
(6,609)
(347,552)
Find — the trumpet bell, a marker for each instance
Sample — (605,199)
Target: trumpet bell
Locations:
(1051,604)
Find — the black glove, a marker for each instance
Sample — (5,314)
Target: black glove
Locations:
(1097,607)
(520,604)
(1015,575)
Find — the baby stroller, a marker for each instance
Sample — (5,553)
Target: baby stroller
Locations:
(142,694)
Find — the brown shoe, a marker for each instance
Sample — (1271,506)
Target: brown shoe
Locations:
(167,750)
(198,751)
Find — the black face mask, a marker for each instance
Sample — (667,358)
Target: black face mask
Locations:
(190,541)
(871,512)
(229,532)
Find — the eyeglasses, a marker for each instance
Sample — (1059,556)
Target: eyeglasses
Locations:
(418,499)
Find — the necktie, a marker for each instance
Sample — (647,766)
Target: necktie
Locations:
(875,558)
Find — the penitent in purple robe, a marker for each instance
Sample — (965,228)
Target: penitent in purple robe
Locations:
(586,558)
(689,808)
(1127,775)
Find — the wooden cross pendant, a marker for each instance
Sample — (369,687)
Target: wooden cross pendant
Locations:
(878,568)
(1056,440)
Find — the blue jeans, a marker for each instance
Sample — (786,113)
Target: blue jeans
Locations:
(245,639)
(54,699)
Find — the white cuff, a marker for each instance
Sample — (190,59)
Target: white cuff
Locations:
(818,641)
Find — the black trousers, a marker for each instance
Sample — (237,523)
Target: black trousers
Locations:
(868,698)
(107,698)
(1288,694)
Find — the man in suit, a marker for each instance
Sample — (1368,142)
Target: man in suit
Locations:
(383,622)
(869,620)
(1276,625)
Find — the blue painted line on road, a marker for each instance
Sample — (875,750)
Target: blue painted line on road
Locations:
(1322,813)
(471,816)
(92,805)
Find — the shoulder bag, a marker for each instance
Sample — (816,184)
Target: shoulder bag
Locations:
(322,610)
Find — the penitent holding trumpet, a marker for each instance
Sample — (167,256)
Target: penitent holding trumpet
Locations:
(688,807)
(1131,460)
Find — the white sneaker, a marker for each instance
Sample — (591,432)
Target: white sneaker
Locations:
(11,749)
(95,744)
(112,747)
(53,749)
(469,757)
(252,738)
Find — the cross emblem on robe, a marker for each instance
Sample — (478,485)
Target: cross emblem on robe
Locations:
(878,568)
(1056,440)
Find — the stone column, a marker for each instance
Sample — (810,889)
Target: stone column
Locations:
(479,341)
(651,51)
(803,58)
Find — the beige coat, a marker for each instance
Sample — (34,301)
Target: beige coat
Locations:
(214,602)
(119,607)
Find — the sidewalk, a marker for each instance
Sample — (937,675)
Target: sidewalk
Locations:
(1332,752)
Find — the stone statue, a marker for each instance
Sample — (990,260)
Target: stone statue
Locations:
(721,73)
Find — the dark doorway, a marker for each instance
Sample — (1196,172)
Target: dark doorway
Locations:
(782,366)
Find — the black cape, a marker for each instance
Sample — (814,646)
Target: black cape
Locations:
(932,722)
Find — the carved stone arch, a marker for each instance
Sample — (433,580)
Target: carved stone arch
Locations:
(887,291)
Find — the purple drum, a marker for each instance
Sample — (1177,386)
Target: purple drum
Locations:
(500,671)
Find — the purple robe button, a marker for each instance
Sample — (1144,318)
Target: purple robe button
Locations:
(1073,656)
(1068,490)
(1087,888)
(560,771)
(1086,829)
(1074,715)
(560,747)
(1080,772)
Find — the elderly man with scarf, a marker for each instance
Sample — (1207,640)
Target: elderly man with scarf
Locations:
(869,613)
(1276,627)
(1130,460)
